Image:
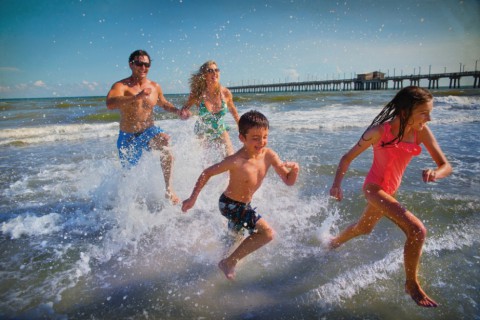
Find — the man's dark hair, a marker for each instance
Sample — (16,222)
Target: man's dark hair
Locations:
(252,119)
(138,53)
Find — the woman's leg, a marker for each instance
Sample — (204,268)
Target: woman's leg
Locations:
(228,143)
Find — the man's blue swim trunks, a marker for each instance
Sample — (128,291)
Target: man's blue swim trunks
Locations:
(131,145)
(240,215)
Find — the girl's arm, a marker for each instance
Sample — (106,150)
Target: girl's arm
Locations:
(444,168)
(369,138)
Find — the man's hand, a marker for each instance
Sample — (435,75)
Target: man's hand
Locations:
(142,95)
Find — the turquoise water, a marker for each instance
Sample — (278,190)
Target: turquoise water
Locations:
(81,238)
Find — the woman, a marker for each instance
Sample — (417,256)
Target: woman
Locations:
(213,101)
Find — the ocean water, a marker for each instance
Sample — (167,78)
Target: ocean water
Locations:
(83,239)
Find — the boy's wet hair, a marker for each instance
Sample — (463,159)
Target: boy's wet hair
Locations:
(252,119)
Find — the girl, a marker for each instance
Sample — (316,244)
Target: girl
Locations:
(214,102)
(396,134)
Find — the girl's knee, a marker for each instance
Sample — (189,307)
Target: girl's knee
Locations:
(418,231)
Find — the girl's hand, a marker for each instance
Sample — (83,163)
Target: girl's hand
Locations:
(187,204)
(429,175)
(337,193)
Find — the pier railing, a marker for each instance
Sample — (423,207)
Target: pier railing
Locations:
(361,84)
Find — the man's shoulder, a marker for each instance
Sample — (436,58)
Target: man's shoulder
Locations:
(127,82)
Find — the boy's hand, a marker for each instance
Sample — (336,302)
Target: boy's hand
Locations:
(337,193)
(293,166)
(187,204)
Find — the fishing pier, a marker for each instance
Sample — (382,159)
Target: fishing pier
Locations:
(368,81)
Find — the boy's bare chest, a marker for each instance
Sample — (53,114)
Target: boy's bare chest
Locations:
(253,170)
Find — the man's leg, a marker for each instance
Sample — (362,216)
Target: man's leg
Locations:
(161,142)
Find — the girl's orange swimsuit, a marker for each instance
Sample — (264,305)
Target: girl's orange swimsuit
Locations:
(390,161)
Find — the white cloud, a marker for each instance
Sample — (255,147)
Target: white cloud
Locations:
(4,89)
(40,84)
(292,74)
(92,86)
(9,69)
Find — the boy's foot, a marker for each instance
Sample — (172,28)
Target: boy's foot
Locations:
(331,244)
(170,195)
(418,295)
(229,271)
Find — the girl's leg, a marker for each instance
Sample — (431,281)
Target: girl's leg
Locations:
(263,235)
(364,225)
(415,232)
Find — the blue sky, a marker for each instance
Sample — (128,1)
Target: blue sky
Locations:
(80,47)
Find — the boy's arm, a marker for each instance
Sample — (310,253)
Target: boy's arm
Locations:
(202,181)
(288,171)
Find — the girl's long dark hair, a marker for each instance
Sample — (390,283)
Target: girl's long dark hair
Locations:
(401,106)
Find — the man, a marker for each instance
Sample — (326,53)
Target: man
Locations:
(136,97)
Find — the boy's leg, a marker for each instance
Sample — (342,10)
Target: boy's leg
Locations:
(263,235)
(416,234)
(364,225)
(160,142)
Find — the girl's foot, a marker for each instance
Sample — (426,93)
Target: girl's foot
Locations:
(418,295)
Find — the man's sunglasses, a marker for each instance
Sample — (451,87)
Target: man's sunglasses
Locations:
(140,63)
(210,70)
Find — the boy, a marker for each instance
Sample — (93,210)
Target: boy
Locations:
(247,168)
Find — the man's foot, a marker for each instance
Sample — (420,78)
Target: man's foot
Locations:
(170,195)
(418,295)
(228,270)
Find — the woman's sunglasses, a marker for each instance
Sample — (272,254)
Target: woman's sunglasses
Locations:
(210,70)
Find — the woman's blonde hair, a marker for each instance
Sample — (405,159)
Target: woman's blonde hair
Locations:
(198,84)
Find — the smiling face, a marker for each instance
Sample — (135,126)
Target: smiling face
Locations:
(255,140)
(140,66)
(420,115)
(212,74)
